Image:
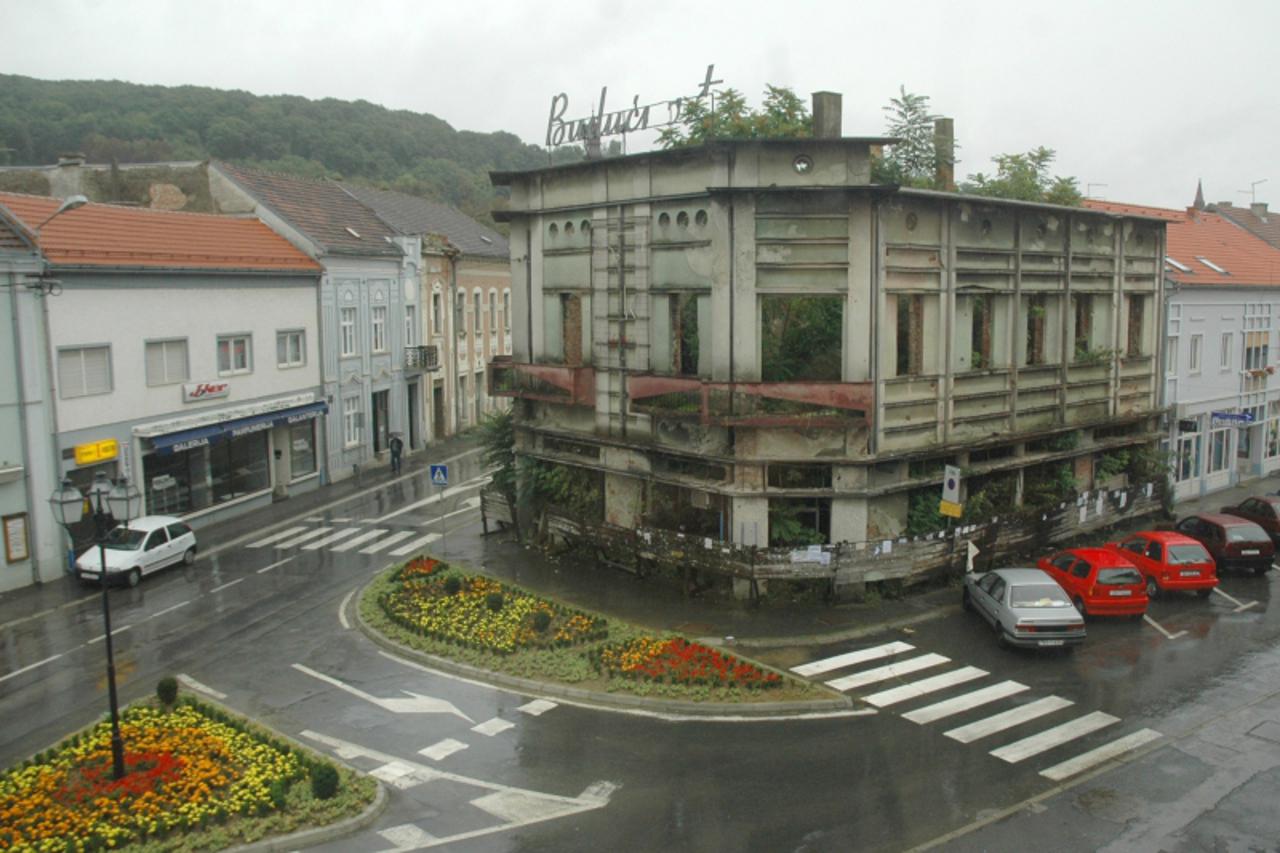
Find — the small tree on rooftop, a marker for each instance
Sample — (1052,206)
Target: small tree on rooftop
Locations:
(1025,177)
(913,161)
(725,115)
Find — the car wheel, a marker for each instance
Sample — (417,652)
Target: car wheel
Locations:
(1079,605)
(1153,588)
(189,557)
(1001,640)
(134,576)
(966,602)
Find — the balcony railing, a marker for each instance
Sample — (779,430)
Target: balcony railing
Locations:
(423,357)
(756,404)
(554,383)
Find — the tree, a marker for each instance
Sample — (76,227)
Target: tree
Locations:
(1026,177)
(913,162)
(726,116)
(498,439)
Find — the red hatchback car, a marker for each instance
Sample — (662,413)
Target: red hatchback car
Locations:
(1169,561)
(1100,582)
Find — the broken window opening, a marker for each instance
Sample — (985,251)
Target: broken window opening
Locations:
(684,334)
(799,521)
(800,338)
(1082,303)
(692,511)
(683,467)
(980,331)
(799,476)
(1137,305)
(571,322)
(1036,311)
(910,335)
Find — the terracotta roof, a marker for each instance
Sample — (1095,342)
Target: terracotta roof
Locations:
(322,210)
(105,235)
(1198,240)
(1266,225)
(416,216)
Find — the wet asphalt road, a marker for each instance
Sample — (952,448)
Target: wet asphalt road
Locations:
(484,769)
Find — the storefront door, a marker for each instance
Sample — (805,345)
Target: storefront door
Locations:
(414,415)
(380,418)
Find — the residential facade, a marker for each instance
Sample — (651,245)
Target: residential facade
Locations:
(746,339)
(184,355)
(465,293)
(368,298)
(1223,294)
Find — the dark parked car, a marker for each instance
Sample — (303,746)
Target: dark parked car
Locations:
(1232,541)
(1263,511)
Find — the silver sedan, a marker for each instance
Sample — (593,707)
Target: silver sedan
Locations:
(1025,607)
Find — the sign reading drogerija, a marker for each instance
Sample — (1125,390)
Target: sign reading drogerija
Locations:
(562,131)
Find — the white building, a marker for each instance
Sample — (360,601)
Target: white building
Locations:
(184,355)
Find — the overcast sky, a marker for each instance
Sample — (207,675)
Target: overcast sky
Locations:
(1140,99)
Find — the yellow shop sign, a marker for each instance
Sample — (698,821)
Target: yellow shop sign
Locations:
(97,451)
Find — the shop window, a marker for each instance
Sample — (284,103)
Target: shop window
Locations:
(347,330)
(291,350)
(910,327)
(801,338)
(235,354)
(1187,463)
(191,480)
(1273,429)
(302,449)
(83,371)
(167,362)
(1219,451)
(378,340)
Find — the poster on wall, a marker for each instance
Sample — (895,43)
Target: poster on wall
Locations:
(15,538)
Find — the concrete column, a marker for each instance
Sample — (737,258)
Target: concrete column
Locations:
(623,500)
(848,520)
(750,521)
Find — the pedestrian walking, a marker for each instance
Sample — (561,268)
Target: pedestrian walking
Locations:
(397,446)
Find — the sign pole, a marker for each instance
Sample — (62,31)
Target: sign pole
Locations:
(440,479)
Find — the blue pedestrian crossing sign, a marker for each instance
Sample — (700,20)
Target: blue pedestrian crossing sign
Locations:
(440,475)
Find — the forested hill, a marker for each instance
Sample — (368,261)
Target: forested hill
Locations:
(128,123)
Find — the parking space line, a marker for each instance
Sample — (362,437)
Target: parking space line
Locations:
(114,631)
(1093,757)
(386,543)
(359,540)
(226,585)
(1240,605)
(916,689)
(276,537)
(1154,624)
(883,673)
(333,537)
(818,667)
(1056,736)
(941,710)
(1008,719)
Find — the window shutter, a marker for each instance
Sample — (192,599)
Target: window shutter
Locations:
(155,364)
(71,373)
(97,370)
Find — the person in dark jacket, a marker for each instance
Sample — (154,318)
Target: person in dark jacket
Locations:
(397,447)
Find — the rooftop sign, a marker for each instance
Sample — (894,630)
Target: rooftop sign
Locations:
(561,131)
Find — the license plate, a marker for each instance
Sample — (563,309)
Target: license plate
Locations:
(1051,642)
(1118,592)
(1187,574)
(1250,552)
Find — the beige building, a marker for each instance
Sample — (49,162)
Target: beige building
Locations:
(751,340)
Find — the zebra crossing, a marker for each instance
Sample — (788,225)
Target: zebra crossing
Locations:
(898,674)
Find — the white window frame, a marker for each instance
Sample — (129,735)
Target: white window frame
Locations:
(493,312)
(66,389)
(347,331)
(410,325)
(287,336)
(437,313)
(1224,357)
(378,328)
(1195,353)
(169,377)
(352,420)
(233,369)
(477,303)
(1221,438)
(1171,355)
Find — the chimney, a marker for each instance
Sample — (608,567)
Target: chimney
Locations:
(827,121)
(1259,209)
(944,147)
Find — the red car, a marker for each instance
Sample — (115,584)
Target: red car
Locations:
(1169,561)
(1100,582)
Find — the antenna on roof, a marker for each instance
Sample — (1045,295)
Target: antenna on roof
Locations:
(1088,189)
(1252,192)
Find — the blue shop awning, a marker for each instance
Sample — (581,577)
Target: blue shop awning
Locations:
(189,439)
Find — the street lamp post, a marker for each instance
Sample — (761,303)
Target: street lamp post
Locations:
(108,505)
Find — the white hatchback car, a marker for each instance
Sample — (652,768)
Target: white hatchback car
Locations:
(140,547)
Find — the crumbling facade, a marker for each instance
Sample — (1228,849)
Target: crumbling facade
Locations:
(751,341)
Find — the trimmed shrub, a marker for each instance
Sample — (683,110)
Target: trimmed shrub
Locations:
(167,690)
(452,585)
(494,600)
(324,781)
(541,621)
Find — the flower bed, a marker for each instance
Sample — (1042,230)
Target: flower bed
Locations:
(480,613)
(185,768)
(680,661)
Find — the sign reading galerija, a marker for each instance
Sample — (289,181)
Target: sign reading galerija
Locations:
(561,131)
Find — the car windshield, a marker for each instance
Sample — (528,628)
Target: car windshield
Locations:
(1245,533)
(1182,554)
(1116,577)
(125,539)
(1038,595)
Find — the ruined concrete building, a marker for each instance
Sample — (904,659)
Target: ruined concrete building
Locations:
(751,340)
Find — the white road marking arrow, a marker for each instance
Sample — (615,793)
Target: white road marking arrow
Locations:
(415,704)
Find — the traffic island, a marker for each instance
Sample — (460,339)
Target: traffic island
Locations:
(461,620)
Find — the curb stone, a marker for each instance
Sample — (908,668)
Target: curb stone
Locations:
(614,701)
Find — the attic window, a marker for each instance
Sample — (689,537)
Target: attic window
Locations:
(352,232)
(1211,265)
(1171,262)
